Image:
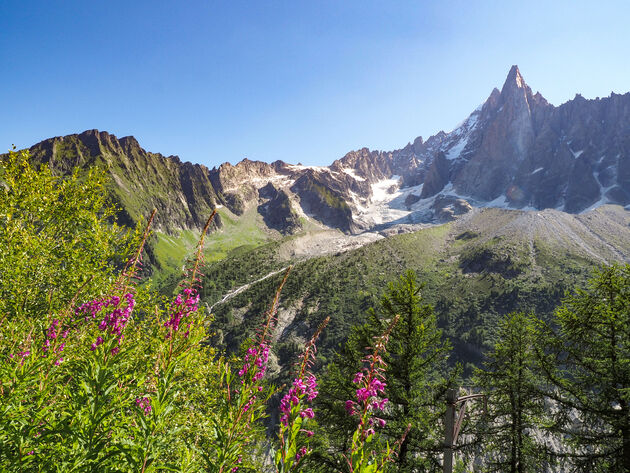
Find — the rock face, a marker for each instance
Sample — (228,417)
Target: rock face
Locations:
(323,203)
(277,211)
(515,150)
(447,208)
(185,194)
(526,153)
(437,176)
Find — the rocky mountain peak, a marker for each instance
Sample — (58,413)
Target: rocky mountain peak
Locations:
(514,79)
(515,91)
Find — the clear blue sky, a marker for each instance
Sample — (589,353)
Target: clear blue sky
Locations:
(302,81)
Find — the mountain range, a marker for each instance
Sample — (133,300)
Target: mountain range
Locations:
(514,151)
(505,212)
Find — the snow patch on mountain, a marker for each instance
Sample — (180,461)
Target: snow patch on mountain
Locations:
(576,154)
(461,135)
(353,174)
(299,167)
(456,150)
(602,192)
(380,210)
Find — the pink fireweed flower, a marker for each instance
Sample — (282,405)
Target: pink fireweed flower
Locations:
(117,312)
(297,392)
(21,355)
(307,413)
(249,403)
(51,335)
(301,452)
(377,386)
(256,357)
(144,403)
(368,398)
(238,460)
(363,394)
(182,307)
(243,370)
(294,408)
(370,391)
(258,376)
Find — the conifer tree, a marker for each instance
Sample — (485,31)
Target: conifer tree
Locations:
(515,406)
(588,363)
(416,373)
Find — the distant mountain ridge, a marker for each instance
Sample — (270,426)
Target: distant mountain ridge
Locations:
(519,148)
(140,181)
(516,151)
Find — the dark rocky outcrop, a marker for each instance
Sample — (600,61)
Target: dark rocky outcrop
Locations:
(437,176)
(447,208)
(532,154)
(276,210)
(323,203)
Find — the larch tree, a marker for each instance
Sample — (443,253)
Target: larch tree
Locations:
(417,378)
(587,361)
(515,406)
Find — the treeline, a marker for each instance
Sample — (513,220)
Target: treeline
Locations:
(99,373)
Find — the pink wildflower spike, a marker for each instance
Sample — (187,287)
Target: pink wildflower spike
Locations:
(144,403)
(114,320)
(293,406)
(371,386)
(307,413)
(301,452)
(181,309)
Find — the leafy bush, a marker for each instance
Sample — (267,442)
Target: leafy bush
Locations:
(56,239)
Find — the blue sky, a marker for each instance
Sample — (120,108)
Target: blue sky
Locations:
(302,81)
